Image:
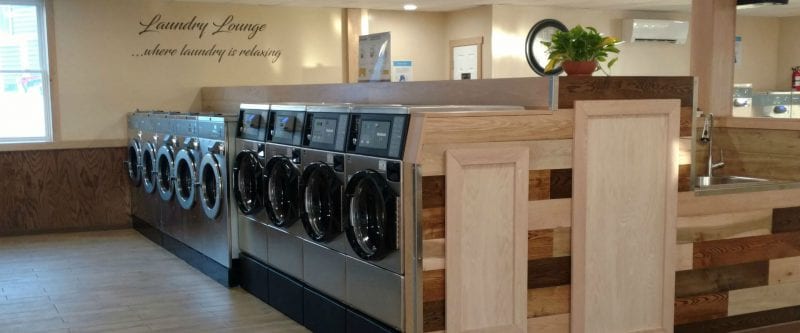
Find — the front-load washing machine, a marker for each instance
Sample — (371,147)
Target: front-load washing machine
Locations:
(214,232)
(321,189)
(169,145)
(186,163)
(152,202)
(139,170)
(248,180)
(373,208)
(281,186)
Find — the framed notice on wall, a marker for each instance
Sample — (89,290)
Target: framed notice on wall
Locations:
(466,58)
(374,58)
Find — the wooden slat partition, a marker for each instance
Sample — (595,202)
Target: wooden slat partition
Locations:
(624,213)
(486,185)
(533,93)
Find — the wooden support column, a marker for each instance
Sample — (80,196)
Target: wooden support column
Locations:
(624,210)
(713,29)
(351,30)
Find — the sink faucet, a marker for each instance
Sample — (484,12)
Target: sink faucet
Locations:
(706,138)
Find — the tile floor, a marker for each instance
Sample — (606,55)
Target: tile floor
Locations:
(118,281)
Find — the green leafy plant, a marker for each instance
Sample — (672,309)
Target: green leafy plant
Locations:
(581,44)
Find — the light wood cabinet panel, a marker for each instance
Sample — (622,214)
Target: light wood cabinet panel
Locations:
(625,177)
(486,240)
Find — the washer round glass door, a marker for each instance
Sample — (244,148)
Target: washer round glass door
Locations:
(148,167)
(165,163)
(371,211)
(211,186)
(185,178)
(247,180)
(133,163)
(322,200)
(282,185)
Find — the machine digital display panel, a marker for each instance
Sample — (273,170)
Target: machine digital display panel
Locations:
(374,134)
(284,126)
(252,120)
(323,131)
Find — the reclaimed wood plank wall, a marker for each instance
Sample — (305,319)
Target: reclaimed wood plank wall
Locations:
(63,190)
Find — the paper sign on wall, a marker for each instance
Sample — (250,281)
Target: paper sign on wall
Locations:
(402,71)
(374,57)
(465,62)
(737,51)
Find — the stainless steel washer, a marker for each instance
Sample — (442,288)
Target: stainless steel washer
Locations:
(373,210)
(321,189)
(282,180)
(248,180)
(169,145)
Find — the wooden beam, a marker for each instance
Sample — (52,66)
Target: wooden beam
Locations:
(713,30)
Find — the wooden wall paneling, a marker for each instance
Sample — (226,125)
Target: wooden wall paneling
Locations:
(549,324)
(758,123)
(538,185)
(746,249)
(546,214)
(720,279)
(760,165)
(482,185)
(63,190)
(724,226)
(548,272)
(540,244)
(575,88)
(684,256)
(548,301)
(433,254)
(555,126)
(763,298)
(549,154)
(700,308)
(624,212)
(740,322)
(784,270)
(562,242)
(785,219)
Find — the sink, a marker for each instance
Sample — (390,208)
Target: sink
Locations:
(704,181)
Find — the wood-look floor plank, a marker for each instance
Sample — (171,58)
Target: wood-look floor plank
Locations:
(118,281)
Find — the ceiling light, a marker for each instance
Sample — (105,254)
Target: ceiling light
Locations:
(410,6)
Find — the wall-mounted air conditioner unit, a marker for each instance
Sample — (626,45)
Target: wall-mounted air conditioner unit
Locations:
(665,31)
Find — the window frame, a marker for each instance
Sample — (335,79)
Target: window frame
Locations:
(44,71)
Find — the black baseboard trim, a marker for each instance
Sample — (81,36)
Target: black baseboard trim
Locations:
(280,291)
(225,276)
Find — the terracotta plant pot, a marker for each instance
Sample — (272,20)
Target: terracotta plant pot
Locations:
(579,68)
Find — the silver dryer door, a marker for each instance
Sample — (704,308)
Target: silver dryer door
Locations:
(211,185)
(133,164)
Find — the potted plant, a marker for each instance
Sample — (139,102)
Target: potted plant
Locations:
(580,50)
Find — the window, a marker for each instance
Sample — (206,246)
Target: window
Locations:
(24,77)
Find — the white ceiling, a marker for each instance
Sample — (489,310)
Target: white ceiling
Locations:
(792,9)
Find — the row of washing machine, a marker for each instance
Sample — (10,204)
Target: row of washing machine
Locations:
(178,165)
(320,191)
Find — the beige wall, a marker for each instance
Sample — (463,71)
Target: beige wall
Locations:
(99,80)
(416,36)
(512,23)
(759,64)
(469,23)
(788,52)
